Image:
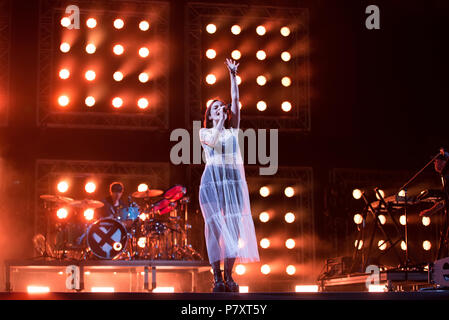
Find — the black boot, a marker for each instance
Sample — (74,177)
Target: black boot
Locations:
(219,285)
(231,285)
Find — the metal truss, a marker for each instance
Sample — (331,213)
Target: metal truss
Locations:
(285,176)
(5,40)
(195,12)
(48,171)
(47,115)
(353,178)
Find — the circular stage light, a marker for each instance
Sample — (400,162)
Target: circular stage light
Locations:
(261,105)
(289,217)
(62,213)
(63,186)
(360,242)
(64,47)
(90,187)
(118,49)
(285,56)
(142,103)
(403,246)
(144,77)
(291,270)
(264,243)
(90,75)
(426,245)
(261,30)
(63,101)
(285,31)
(264,191)
(211,28)
(264,217)
(142,187)
(402,220)
(286,106)
(91,48)
(142,242)
(235,29)
(117,102)
(236,55)
(144,52)
(382,193)
(425,221)
(89,214)
(382,245)
(91,23)
(65,22)
(265,269)
(64,73)
(261,80)
(211,79)
(261,55)
(240,269)
(118,23)
(289,192)
(239,81)
(357,194)
(118,76)
(286,81)
(144,25)
(358,219)
(290,243)
(382,219)
(211,53)
(89,101)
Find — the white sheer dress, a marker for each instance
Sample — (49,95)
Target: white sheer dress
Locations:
(224,199)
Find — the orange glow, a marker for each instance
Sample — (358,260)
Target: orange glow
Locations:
(38,289)
(286,106)
(261,30)
(243,289)
(285,56)
(64,47)
(118,76)
(118,23)
(63,186)
(89,214)
(118,49)
(306,288)
(143,216)
(144,77)
(211,28)
(211,79)
(90,101)
(261,55)
(236,54)
(91,23)
(235,29)
(64,73)
(90,75)
(142,103)
(144,25)
(63,101)
(62,213)
(65,22)
(264,216)
(285,31)
(261,105)
(240,269)
(91,48)
(291,270)
(265,269)
(290,243)
(265,243)
(264,191)
(102,289)
(261,80)
(90,187)
(117,102)
(211,53)
(358,219)
(286,81)
(289,217)
(164,290)
(144,52)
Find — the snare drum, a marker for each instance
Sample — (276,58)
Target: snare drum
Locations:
(107,238)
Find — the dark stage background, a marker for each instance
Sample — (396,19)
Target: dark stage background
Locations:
(379,100)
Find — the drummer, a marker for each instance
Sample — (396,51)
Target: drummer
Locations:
(113,203)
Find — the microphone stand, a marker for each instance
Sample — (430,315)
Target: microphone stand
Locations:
(404,188)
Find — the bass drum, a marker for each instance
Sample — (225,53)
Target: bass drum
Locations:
(107,238)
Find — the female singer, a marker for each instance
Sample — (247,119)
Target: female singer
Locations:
(223,192)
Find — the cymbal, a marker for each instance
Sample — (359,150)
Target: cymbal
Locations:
(87,203)
(57,199)
(147,194)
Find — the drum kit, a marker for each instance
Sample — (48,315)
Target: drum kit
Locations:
(153,226)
